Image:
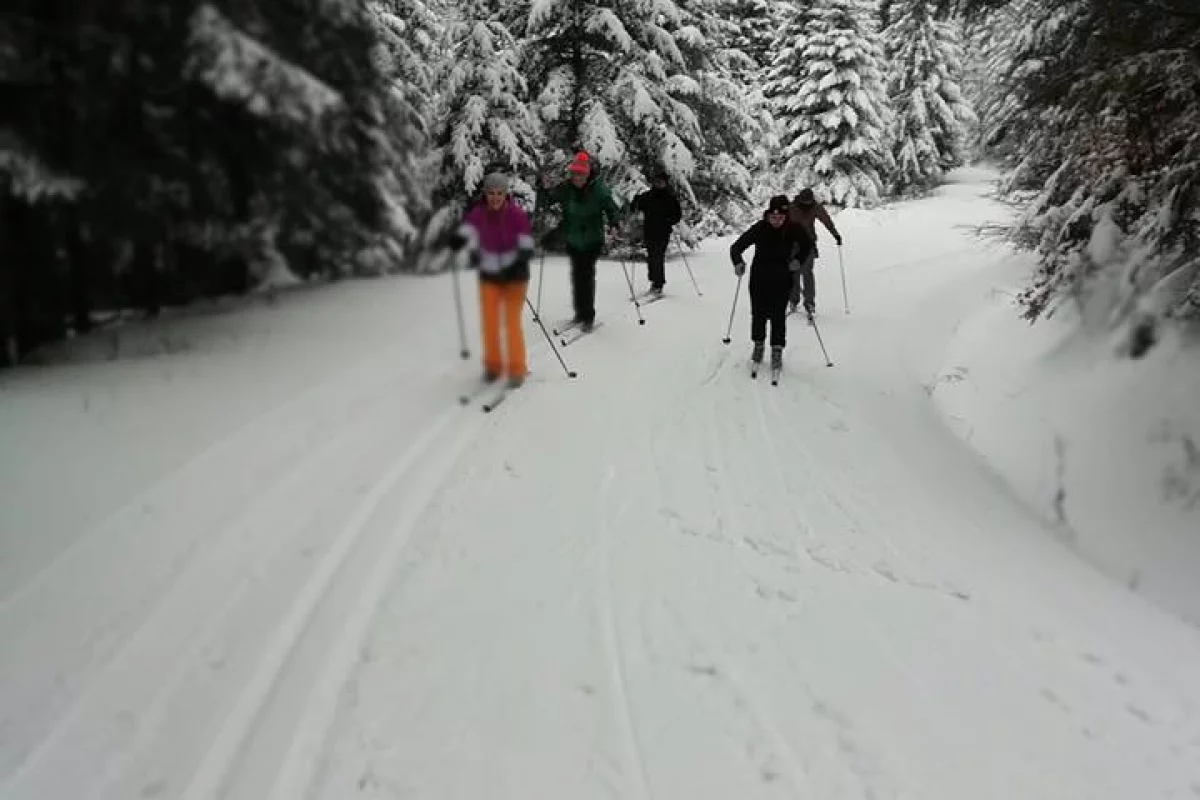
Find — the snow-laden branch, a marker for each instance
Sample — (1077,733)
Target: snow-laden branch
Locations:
(543,11)
(241,70)
(605,23)
(29,177)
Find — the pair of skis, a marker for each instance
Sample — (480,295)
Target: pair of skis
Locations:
(775,372)
(481,391)
(808,317)
(571,331)
(568,331)
(647,297)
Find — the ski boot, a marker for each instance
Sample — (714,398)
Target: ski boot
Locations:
(490,375)
(776,358)
(756,355)
(516,381)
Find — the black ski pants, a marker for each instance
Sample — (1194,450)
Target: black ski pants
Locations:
(804,284)
(583,282)
(768,305)
(656,259)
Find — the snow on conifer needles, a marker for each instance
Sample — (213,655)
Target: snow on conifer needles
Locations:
(829,93)
(932,114)
(346,141)
(484,118)
(240,69)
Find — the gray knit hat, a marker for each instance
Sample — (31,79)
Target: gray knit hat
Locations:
(495,181)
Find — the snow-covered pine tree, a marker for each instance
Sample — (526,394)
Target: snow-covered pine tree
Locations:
(338,134)
(782,79)
(410,54)
(1110,108)
(1003,119)
(1116,221)
(886,13)
(746,37)
(756,23)
(199,142)
(731,119)
(932,115)
(484,120)
(942,10)
(94,112)
(611,78)
(1021,121)
(828,92)
(252,150)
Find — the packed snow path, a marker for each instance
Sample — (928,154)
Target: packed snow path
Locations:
(660,580)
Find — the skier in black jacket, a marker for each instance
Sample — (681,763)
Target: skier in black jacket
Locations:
(662,213)
(775,245)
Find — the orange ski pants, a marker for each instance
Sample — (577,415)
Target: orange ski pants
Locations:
(503,304)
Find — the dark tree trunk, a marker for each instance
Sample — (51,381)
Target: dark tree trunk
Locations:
(234,274)
(147,280)
(8,286)
(77,271)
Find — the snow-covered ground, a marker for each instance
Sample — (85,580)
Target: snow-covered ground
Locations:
(1105,447)
(281,561)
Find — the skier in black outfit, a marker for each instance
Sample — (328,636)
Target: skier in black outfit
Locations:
(775,245)
(661,211)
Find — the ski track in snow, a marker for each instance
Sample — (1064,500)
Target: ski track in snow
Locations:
(174,614)
(615,653)
(211,596)
(659,580)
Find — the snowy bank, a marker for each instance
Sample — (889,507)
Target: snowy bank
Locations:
(1105,447)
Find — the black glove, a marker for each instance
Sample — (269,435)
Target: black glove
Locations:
(837,237)
(456,241)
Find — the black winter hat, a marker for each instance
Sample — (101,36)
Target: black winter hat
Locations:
(779,204)
(805,198)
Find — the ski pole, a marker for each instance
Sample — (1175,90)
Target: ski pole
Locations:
(736,292)
(687,266)
(570,372)
(632,293)
(537,212)
(541,271)
(842,266)
(458,310)
(817,331)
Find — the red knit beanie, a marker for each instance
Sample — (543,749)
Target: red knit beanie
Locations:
(580,164)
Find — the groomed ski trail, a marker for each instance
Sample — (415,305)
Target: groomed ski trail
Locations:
(671,581)
(634,769)
(658,580)
(212,663)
